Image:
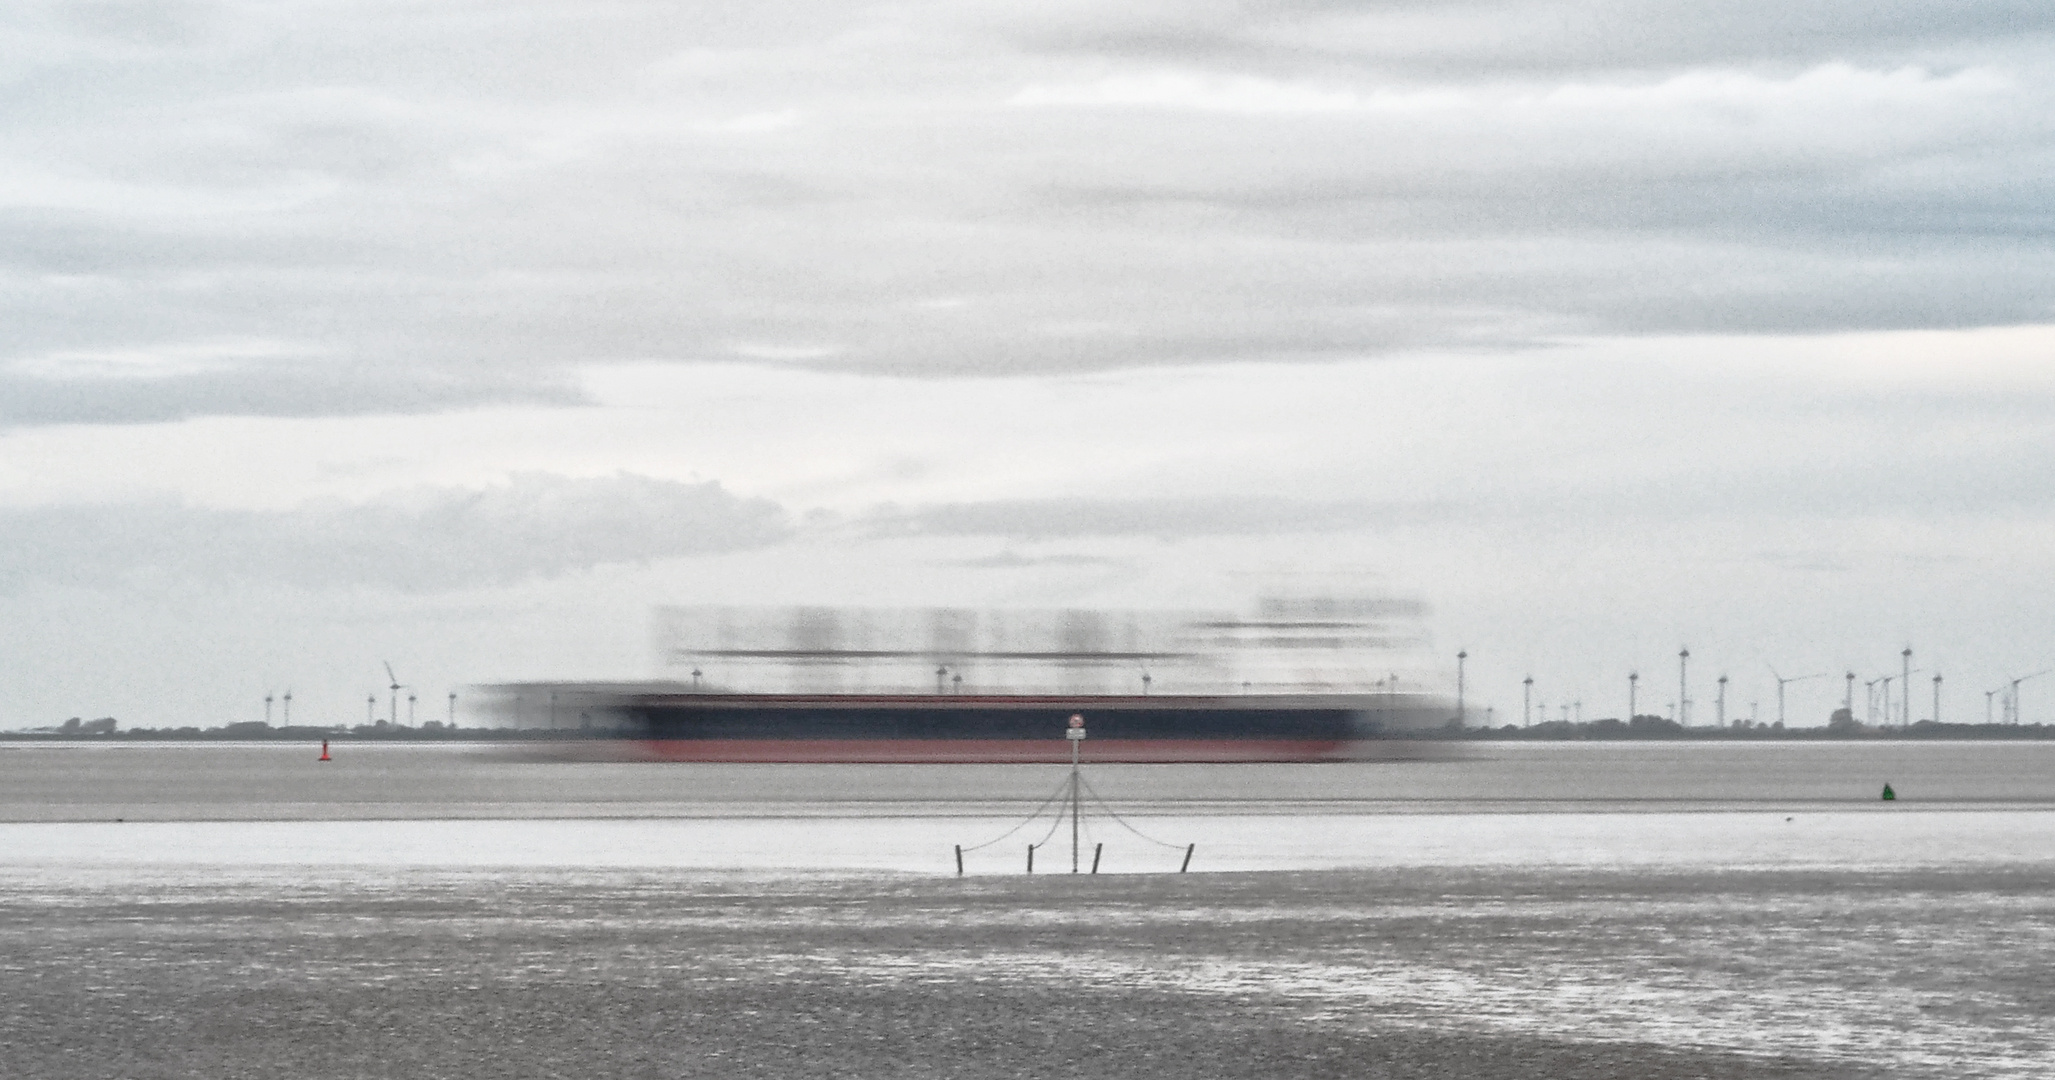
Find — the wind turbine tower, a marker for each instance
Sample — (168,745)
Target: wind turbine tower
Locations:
(1906,686)
(1462,718)
(1683,695)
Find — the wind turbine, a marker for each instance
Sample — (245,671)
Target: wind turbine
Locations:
(1781,681)
(396,687)
(410,708)
(1904,693)
(1904,698)
(288,721)
(2015,690)
(267,710)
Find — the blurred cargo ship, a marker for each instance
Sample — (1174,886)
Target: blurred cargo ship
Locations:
(1005,728)
(1294,682)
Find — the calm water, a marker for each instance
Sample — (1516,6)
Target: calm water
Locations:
(1908,838)
(272,781)
(1535,805)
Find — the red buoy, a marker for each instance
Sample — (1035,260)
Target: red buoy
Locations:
(324,750)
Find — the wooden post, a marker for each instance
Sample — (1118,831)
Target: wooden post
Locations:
(1077,739)
(959,860)
(1031,858)
(1096,849)
(1188,849)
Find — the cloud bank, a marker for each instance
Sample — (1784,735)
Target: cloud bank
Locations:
(322,209)
(419,540)
(1163,519)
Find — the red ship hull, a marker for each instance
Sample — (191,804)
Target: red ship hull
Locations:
(997,751)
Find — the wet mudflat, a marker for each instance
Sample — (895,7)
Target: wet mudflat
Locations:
(1412,973)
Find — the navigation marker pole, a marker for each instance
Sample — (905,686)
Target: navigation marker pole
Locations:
(1074,786)
(1076,735)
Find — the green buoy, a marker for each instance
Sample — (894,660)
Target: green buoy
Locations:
(1889,795)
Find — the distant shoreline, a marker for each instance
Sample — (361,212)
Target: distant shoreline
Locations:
(1556,731)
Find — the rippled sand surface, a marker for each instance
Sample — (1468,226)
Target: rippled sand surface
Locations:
(1409,973)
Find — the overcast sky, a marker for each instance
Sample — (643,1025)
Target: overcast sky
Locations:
(459,336)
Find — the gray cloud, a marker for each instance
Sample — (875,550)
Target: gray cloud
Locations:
(425,210)
(262,390)
(1037,519)
(1439,39)
(1014,560)
(417,540)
